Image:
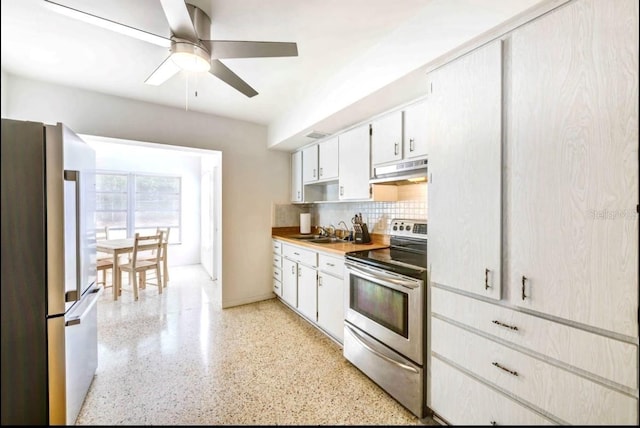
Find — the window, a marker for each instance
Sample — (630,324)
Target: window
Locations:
(127,203)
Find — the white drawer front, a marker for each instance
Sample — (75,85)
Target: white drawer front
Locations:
(304,256)
(462,400)
(605,357)
(277,247)
(277,261)
(331,265)
(277,287)
(277,274)
(571,398)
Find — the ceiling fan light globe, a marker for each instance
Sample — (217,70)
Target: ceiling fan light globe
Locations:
(190,62)
(190,57)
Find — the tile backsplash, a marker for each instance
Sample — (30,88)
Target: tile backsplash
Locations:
(377,215)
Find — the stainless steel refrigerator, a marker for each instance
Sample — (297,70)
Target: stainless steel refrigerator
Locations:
(49,293)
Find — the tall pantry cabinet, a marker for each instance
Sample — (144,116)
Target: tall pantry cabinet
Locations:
(558,344)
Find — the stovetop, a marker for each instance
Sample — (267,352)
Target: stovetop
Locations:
(407,253)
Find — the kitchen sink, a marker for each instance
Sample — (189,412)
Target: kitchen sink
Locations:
(304,236)
(325,240)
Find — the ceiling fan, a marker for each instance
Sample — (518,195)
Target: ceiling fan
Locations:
(189,45)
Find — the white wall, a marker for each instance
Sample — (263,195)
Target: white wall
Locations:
(253,177)
(3,93)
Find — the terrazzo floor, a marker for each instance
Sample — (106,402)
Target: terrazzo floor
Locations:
(177,358)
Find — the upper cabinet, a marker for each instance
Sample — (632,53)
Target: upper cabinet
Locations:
(415,131)
(573,165)
(400,135)
(310,164)
(386,139)
(354,166)
(465,147)
(320,162)
(296,177)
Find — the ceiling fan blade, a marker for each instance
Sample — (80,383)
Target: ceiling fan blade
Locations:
(221,71)
(164,71)
(109,25)
(246,49)
(179,19)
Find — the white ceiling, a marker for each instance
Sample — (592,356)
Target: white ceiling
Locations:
(333,36)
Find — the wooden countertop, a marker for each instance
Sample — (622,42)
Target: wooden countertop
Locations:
(339,248)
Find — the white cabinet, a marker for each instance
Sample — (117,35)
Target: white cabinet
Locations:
(415,130)
(307,293)
(331,295)
(354,164)
(573,166)
(299,279)
(465,143)
(386,138)
(561,340)
(277,267)
(296,177)
(310,164)
(320,162)
(290,282)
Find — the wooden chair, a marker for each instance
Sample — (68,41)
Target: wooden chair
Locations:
(162,255)
(104,261)
(141,261)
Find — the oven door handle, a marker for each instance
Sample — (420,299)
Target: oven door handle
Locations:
(375,275)
(362,343)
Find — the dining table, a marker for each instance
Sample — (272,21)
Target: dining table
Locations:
(119,247)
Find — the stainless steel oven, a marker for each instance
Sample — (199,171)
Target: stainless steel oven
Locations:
(385,314)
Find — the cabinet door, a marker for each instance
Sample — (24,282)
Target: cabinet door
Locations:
(331,305)
(354,164)
(296,177)
(307,294)
(386,139)
(328,159)
(465,172)
(573,165)
(415,130)
(310,164)
(290,282)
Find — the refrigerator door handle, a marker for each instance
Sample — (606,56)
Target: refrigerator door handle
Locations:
(78,320)
(72,296)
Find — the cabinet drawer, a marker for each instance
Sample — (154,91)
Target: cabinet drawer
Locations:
(277,261)
(301,255)
(605,357)
(462,400)
(277,247)
(569,397)
(277,287)
(331,265)
(277,274)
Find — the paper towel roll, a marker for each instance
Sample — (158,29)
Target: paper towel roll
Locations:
(305,223)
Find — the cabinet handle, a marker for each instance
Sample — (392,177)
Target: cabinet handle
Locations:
(505,325)
(319,281)
(411,144)
(395,148)
(314,173)
(297,254)
(524,279)
(515,373)
(293,270)
(341,190)
(320,172)
(299,273)
(486,279)
(330,264)
(493,423)
(298,194)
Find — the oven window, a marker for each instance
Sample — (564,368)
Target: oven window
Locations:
(384,305)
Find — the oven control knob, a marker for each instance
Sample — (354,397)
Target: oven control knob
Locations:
(401,227)
(395,227)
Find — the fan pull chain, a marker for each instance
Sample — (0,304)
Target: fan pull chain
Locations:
(186,93)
